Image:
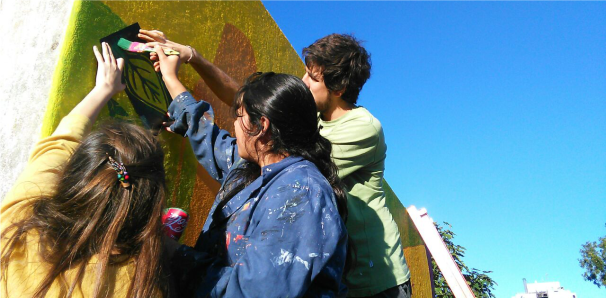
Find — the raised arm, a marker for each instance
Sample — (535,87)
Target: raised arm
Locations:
(50,154)
(217,80)
(107,83)
(214,148)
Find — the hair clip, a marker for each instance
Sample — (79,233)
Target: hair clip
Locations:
(121,170)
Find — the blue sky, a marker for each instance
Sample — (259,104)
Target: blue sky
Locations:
(495,120)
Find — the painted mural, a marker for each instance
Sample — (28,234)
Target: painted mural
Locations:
(239,37)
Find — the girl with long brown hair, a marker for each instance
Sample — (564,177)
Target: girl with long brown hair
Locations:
(83,220)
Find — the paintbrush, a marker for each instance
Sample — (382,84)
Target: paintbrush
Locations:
(139,47)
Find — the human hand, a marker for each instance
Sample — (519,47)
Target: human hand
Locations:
(109,70)
(166,125)
(169,65)
(155,38)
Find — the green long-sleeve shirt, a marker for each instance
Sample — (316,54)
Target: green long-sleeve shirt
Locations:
(358,150)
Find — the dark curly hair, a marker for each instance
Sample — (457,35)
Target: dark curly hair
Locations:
(343,62)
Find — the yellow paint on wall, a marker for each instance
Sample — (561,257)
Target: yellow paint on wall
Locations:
(201,24)
(414,247)
(420,276)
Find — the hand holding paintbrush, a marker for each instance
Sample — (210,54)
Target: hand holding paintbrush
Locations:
(138,47)
(157,38)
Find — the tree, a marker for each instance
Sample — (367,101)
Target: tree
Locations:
(593,260)
(478,280)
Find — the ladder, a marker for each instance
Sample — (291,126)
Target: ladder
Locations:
(439,252)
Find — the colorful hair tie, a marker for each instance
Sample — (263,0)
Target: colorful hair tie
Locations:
(121,170)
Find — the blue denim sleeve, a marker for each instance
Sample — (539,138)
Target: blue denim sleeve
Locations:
(214,148)
(299,240)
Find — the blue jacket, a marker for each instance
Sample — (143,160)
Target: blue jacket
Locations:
(281,236)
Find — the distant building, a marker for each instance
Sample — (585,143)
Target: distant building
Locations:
(545,290)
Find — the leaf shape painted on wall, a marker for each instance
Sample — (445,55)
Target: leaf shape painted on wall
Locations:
(145,89)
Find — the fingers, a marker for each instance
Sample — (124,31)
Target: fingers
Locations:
(153,44)
(152,35)
(104,47)
(161,57)
(109,70)
(166,125)
(112,59)
(120,64)
(160,53)
(145,37)
(98,55)
(153,56)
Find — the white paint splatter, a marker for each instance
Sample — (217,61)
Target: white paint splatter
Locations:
(305,263)
(285,257)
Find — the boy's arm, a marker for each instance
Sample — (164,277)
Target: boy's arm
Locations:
(224,86)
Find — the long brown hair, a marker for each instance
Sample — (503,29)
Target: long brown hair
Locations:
(91,214)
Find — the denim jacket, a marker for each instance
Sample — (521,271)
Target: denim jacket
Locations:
(281,236)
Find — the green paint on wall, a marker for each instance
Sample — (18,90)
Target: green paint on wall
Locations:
(74,77)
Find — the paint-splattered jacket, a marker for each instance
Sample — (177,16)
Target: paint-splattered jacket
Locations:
(281,236)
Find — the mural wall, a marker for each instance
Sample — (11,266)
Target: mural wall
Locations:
(239,37)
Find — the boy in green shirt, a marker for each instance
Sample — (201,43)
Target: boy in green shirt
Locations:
(337,67)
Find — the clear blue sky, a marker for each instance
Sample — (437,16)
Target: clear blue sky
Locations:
(495,119)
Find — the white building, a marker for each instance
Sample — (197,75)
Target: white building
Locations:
(545,290)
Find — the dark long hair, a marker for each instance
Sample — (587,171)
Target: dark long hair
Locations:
(91,214)
(290,107)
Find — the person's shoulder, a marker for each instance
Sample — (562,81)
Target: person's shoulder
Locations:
(304,177)
(305,172)
(361,114)
(359,123)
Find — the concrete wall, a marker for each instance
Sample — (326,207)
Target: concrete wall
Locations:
(32,32)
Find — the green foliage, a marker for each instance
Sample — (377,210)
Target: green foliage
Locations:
(478,280)
(593,260)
